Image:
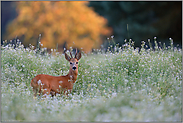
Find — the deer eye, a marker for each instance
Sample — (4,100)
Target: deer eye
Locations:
(76,62)
(70,62)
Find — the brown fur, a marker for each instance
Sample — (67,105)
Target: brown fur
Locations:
(47,84)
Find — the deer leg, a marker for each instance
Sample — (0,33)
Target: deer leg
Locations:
(45,92)
(35,92)
(52,93)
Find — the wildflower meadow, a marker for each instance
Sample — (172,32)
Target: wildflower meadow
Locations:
(121,84)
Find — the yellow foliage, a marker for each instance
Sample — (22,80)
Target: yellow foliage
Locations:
(58,22)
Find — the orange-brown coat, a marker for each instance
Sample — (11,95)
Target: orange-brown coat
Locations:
(47,84)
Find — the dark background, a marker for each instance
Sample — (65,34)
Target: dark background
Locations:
(145,20)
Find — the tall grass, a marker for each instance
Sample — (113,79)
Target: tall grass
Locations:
(125,84)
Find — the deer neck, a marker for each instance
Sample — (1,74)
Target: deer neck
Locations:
(72,75)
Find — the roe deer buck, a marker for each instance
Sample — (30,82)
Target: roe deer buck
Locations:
(47,84)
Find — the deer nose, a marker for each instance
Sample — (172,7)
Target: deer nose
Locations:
(74,68)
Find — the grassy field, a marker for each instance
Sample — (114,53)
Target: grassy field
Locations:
(128,85)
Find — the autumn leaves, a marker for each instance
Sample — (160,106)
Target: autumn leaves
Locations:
(68,24)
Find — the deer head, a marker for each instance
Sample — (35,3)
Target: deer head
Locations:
(73,61)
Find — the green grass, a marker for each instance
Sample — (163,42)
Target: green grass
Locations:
(129,85)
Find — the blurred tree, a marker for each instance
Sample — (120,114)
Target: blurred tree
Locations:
(8,13)
(70,24)
(142,20)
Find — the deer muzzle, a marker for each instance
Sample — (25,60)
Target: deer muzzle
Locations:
(74,67)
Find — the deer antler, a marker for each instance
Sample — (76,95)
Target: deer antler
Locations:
(76,53)
(70,53)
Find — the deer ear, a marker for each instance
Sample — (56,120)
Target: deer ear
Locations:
(67,57)
(78,56)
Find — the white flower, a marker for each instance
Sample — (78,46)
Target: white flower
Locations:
(39,82)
